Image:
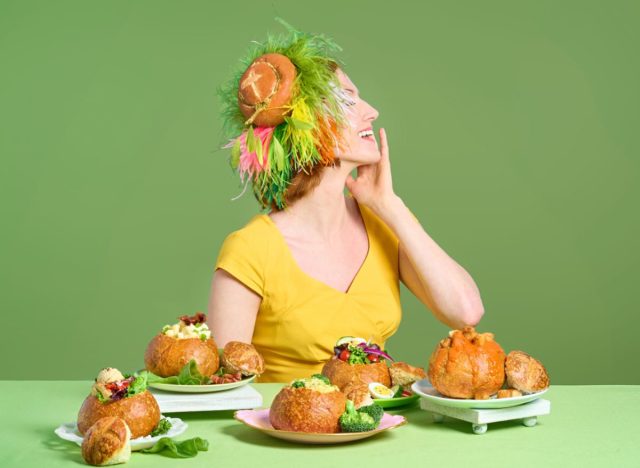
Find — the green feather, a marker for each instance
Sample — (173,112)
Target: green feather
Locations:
(251,141)
(278,154)
(235,154)
(299,124)
(293,147)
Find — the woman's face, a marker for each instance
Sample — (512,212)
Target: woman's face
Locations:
(360,145)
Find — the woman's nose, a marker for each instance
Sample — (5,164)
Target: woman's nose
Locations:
(370,112)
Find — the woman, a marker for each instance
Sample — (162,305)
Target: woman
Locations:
(320,265)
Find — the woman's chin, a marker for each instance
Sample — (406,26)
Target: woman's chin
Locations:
(362,158)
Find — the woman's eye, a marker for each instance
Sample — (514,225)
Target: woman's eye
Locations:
(349,102)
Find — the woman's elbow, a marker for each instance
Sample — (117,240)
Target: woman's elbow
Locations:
(472,312)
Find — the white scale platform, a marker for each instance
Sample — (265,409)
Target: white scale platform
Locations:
(245,397)
(479,418)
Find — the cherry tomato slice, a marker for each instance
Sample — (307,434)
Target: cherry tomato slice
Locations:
(373,358)
(344,355)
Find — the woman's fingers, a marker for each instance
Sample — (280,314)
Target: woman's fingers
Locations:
(384,146)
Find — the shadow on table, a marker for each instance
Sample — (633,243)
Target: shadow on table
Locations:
(65,449)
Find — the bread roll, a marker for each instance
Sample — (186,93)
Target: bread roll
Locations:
(307,410)
(267,84)
(243,358)
(508,393)
(166,356)
(107,442)
(525,373)
(140,412)
(359,394)
(404,374)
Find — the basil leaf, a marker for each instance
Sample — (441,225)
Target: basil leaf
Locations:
(185,449)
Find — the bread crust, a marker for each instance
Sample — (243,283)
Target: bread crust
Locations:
(343,374)
(141,413)
(166,356)
(269,79)
(405,374)
(467,365)
(307,410)
(242,357)
(508,393)
(105,441)
(525,373)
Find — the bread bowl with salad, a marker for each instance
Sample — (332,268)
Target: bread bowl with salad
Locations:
(308,405)
(362,370)
(114,394)
(176,345)
(314,405)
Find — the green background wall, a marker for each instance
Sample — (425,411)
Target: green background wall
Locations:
(513,133)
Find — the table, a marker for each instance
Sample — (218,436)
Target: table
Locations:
(589,426)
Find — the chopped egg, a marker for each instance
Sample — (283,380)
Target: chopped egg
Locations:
(380,391)
(181,331)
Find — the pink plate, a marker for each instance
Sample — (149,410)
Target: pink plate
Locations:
(259,419)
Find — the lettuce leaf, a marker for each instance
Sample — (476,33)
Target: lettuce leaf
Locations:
(185,449)
(139,385)
(189,375)
(162,428)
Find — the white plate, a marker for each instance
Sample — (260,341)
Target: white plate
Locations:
(426,390)
(201,388)
(70,432)
(259,419)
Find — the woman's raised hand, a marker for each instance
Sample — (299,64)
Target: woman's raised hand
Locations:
(373,186)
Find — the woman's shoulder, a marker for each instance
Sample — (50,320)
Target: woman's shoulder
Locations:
(377,228)
(257,226)
(245,253)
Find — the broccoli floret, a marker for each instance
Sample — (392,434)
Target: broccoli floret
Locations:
(375,411)
(298,384)
(352,421)
(324,378)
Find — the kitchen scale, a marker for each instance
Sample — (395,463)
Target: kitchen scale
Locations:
(480,413)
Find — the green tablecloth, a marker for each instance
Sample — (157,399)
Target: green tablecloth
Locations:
(588,426)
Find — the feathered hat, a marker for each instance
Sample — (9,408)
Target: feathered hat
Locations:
(282,111)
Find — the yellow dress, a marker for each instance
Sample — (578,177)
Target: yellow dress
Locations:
(300,318)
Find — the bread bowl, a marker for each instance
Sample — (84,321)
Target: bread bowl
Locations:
(467,364)
(171,349)
(106,442)
(114,395)
(308,405)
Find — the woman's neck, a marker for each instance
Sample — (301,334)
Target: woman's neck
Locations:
(325,210)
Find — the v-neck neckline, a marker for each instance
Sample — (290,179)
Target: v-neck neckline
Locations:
(307,275)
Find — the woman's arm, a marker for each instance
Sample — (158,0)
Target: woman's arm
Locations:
(233,308)
(434,277)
